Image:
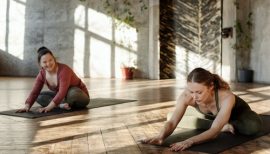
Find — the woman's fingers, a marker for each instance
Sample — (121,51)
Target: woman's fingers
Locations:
(145,141)
(41,110)
(178,146)
(151,141)
(156,141)
(21,110)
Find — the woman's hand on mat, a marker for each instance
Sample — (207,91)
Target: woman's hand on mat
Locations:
(180,146)
(25,109)
(47,108)
(43,110)
(153,140)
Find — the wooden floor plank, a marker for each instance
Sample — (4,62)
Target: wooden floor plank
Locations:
(63,147)
(117,139)
(80,145)
(45,149)
(95,143)
(13,151)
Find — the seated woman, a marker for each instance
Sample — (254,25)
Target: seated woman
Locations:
(66,89)
(223,111)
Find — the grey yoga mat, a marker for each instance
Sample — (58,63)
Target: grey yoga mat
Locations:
(94,103)
(221,143)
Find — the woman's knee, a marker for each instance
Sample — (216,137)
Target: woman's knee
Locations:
(77,98)
(255,127)
(251,128)
(74,92)
(44,100)
(251,125)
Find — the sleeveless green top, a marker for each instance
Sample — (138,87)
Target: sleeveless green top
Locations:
(239,107)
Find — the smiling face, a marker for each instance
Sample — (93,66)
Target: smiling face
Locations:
(48,62)
(199,92)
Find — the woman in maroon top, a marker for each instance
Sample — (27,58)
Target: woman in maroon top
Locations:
(66,89)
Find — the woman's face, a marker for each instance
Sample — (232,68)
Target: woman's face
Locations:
(199,92)
(47,62)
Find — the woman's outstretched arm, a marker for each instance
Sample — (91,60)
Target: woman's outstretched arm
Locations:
(181,106)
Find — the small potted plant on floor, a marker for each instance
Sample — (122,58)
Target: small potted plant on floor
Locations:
(128,70)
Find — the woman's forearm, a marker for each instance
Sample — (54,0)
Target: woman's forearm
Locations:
(51,106)
(167,130)
(205,136)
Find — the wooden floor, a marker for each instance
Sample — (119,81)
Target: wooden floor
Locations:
(112,129)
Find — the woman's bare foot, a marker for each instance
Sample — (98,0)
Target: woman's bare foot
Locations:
(64,106)
(228,128)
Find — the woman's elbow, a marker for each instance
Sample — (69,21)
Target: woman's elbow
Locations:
(215,136)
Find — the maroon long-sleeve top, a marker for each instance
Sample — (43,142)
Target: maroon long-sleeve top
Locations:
(65,79)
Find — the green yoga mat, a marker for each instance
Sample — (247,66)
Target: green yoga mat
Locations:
(94,103)
(223,142)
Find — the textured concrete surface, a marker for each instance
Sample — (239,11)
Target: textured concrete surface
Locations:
(261,35)
(80,33)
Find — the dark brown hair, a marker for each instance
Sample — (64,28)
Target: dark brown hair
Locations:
(43,51)
(202,76)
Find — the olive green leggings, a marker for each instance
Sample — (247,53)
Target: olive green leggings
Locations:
(246,123)
(75,97)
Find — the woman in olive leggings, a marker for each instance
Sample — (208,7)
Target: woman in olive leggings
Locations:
(75,98)
(215,109)
(66,89)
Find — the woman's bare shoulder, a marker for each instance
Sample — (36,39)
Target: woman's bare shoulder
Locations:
(226,96)
(225,93)
(186,98)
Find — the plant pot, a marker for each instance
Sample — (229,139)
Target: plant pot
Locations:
(245,75)
(127,73)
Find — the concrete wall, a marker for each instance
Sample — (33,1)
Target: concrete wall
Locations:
(81,34)
(260,53)
(259,59)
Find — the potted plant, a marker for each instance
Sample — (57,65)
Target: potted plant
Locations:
(127,72)
(243,46)
(128,69)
